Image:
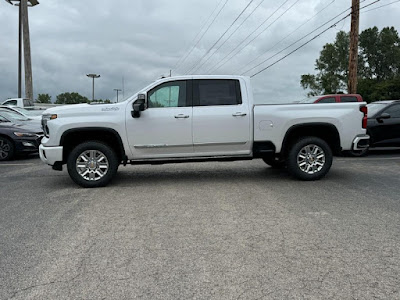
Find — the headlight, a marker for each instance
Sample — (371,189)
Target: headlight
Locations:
(25,134)
(49,117)
(45,119)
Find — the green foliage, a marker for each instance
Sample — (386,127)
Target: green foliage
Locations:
(44,98)
(374,89)
(71,98)
(378,68)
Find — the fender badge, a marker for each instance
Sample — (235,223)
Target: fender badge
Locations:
(110,109)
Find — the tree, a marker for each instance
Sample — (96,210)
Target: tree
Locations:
(71,98)
(379,61)
(332,66)
(44,98)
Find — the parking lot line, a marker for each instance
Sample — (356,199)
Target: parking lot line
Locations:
(369,159)
(10,165)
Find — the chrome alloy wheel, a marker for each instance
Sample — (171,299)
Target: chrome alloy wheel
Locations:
(92,165)
(4,149)
(311,159)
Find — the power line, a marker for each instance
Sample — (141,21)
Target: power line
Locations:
(183,57)
(320,11)
(300,39)
(309,41)
(381,6)
(209,50)
(212,22)
(233,32)
(218,67)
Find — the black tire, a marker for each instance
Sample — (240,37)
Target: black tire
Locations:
(274,163)
(295,162)
(7,149)
(78,176)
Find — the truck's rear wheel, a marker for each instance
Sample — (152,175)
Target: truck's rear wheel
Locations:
(310,158)
(92,164)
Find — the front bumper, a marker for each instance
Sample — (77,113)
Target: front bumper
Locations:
(361,142)
(50,155)
(27,145)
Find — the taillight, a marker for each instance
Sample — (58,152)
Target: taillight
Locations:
(364,110)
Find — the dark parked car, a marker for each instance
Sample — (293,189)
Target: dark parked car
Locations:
(383,124)
(15,139)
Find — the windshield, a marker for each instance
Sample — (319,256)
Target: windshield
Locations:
(13,116)
(26,112)
(2,119)
(373,108)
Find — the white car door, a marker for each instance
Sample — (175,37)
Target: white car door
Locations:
(164,129)
(221,120)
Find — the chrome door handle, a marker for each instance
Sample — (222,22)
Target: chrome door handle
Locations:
(239,114)
(181,116)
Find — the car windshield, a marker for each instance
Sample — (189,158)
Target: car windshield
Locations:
(13,116)
(373,108)
(25,111)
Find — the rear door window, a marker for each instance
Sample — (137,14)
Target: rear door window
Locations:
(348,99)
(211,92)
(327,100)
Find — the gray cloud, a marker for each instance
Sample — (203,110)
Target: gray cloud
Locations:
(141,40)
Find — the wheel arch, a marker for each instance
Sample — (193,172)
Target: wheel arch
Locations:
(326,131)
(73,137)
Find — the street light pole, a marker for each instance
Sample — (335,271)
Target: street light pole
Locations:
(118,90)
(23,34)
(93,76)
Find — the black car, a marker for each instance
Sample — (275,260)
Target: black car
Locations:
(383,124)
(15,139)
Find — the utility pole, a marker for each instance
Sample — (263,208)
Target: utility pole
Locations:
(118,90)
(93,76)
(27,50)
(23,34)
(353,57)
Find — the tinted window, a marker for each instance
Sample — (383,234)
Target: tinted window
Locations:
(28,102)
(11,102)
(327,100)
(209,92)
(394,111)
(169,94)
(348,99)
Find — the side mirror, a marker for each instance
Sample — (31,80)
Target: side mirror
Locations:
(138,106)
(383,116)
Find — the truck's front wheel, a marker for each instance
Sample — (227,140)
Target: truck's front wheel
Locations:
(310,158)
(92,164)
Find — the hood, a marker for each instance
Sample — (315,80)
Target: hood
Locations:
(19,127)
(84,109)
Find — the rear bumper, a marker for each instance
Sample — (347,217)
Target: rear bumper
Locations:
(361,142)
(51,155)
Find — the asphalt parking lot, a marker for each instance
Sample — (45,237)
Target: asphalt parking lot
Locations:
(235,230)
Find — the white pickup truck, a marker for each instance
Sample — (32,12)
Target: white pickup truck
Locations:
(198,118)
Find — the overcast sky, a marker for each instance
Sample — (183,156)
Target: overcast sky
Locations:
(141,40)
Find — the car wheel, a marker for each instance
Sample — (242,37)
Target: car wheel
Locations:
(92,164)
(310,158)
(274,163)
(6,149)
